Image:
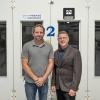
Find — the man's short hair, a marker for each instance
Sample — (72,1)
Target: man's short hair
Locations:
(63,32)
(38,25)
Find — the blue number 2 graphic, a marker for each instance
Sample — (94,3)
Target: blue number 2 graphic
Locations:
(51,31)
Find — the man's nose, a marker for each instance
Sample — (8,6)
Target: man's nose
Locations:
(39,33)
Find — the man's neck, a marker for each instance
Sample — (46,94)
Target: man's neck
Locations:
(64,46)
(39,42)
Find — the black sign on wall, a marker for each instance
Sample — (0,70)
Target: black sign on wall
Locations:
(68,12)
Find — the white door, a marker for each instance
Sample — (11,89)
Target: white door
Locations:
(5,83)
(94,61)
(6,52)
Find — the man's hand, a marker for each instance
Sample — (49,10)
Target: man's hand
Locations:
(40,81)
(53,88)
(72,92)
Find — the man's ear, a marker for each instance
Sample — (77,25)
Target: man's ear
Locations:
(68,39)
(57,38)
(32,34)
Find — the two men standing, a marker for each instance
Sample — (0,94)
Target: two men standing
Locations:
(37,61)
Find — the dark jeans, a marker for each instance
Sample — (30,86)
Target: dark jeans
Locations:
(31,90)
(61,95)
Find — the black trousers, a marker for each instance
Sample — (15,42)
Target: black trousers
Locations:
(61,95)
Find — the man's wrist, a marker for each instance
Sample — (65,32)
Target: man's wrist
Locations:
(35,79)
(44,78)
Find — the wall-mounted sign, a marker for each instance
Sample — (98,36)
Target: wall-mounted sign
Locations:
(68,13)
(50,31)
(31,16)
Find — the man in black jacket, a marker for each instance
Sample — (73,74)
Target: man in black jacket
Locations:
(67,69)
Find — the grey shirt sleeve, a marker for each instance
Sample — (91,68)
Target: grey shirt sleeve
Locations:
(24,54)
(51,53)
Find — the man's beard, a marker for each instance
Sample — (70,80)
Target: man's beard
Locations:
(39,38)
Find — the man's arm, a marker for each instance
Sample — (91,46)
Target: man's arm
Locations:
(49,69)
(76,73)
(28,70)
(77,70)
(53,79)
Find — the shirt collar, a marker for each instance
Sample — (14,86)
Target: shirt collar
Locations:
(41,45)
(63,50)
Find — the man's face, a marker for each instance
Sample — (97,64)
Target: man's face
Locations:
(63,40)
(38,33)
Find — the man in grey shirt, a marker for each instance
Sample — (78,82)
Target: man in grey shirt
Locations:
(37,62)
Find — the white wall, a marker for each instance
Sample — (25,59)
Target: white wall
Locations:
(42,7)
